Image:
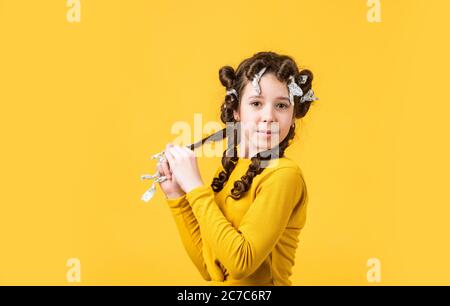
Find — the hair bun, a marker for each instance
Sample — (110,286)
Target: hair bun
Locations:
(227,76)
(309,74)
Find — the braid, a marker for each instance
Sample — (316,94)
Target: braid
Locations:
(229,161)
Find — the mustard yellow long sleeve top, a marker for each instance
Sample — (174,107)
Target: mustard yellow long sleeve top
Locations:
(250,241)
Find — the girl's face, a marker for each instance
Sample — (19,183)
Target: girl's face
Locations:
(268,112)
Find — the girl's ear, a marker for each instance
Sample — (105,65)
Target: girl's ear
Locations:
(293,119)
(236,115)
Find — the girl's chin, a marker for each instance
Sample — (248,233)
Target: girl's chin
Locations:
(260,146)
(264,140)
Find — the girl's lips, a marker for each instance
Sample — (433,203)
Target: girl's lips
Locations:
(266,132)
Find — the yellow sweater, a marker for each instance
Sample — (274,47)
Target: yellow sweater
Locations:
(250,241)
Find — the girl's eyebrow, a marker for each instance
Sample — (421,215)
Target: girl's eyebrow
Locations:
(278,98)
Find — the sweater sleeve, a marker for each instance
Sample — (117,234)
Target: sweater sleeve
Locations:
(242,250)
(189,232)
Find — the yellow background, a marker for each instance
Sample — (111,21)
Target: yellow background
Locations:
(84,105)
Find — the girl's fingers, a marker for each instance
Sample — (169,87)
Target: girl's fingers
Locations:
(165,168)
(188,151)
(160,170)
(169,156)
(174,153)
(180,151)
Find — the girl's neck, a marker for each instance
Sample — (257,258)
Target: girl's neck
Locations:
(245,151)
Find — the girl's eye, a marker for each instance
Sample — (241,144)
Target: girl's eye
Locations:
(279,105)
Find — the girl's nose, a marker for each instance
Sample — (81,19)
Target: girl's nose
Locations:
(267,115)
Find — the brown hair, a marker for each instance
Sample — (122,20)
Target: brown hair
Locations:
(282,66)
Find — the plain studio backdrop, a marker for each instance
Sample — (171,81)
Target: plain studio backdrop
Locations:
(89,90)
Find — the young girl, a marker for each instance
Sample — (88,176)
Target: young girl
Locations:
(243,229)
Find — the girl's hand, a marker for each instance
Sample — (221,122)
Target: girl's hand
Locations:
(170,187)
(183,164)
